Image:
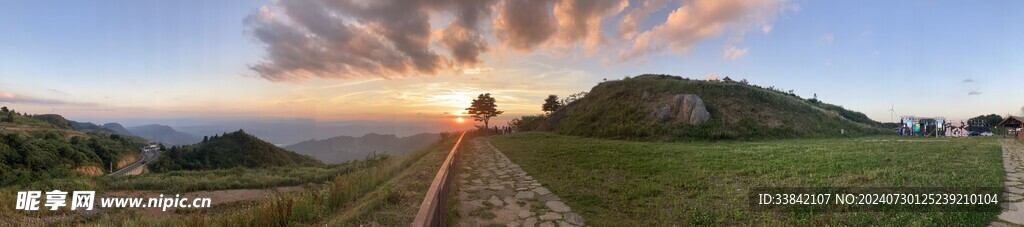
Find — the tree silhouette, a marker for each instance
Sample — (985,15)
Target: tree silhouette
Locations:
(551,104)
(8,114)
(988,120)
(483,108)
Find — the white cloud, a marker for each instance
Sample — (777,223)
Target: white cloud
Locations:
(733,53)
(711,76)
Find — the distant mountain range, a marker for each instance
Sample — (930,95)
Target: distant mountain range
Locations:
(164,134)
(285,132)
(344,148)
(280,132)
(90,127)
(154,132)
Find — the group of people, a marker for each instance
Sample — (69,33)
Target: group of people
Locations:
(502,130)
(956,131)
(921,128)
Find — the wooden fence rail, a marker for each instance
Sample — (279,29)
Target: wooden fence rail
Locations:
(434,208)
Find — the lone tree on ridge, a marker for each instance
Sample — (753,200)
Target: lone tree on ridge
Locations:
(551,104)
(483,108)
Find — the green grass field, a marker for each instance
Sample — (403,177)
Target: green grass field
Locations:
(620,183)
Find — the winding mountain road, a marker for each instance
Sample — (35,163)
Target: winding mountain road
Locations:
(148,155)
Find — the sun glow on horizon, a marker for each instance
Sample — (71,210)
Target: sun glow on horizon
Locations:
(460,120)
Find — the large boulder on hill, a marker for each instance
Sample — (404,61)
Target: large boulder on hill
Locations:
(635,108)
(684,108)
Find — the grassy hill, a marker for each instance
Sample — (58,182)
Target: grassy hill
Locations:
(344,148)
(236,149)
(623,109)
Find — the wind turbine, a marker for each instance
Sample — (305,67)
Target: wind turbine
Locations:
(892,112)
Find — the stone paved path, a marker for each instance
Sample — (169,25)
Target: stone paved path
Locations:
(1013,163)
(495,191)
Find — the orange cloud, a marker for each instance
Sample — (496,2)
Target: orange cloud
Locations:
(524,24)
(699,20)
(581,20)
(8,97)
(354,38)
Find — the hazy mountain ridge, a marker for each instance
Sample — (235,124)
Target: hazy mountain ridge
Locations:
(117,128)
(164,134)
(113,128)
(293,131)
(345,148)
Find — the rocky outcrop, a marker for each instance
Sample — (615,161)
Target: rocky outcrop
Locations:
(683,108)
(127,160)
(89,170)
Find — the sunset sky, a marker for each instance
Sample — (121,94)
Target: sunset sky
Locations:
(425,60)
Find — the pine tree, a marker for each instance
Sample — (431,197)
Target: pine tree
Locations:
(551,104)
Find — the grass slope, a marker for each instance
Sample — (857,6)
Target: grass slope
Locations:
(397,200)
(623,183)
(621,110)
(237,178)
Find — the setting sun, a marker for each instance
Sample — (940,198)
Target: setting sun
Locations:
(460,120)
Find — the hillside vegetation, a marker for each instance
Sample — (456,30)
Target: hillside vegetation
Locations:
(40,147)
(236,149)
(623,109)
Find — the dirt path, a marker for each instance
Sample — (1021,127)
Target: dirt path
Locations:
(1013,200)
(493,190)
